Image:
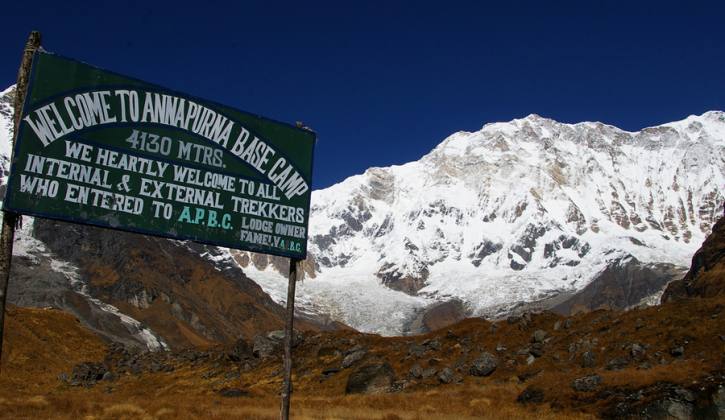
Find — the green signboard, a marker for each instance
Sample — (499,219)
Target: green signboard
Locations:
(98,148)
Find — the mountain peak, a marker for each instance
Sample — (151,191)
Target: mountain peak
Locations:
(714,116)
(534,118)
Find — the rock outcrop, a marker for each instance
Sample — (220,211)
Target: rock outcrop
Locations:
(706,277)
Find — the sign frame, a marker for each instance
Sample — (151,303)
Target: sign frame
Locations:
(9,202)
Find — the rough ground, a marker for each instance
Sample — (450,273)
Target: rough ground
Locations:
(665,361)
(662,358)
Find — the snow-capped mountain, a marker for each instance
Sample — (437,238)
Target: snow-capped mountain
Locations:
(6,129)
(515,212)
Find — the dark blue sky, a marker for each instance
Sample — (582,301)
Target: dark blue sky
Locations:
(384,82)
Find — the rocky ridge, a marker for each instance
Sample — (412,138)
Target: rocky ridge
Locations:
(707,271)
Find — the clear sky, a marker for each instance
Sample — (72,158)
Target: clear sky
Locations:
(384,82)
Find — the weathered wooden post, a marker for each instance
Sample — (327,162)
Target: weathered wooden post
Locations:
(288,336)
(10,218)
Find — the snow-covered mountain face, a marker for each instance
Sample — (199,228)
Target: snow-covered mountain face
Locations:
(512,213)
(6,130)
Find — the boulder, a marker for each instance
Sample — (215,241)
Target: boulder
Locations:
(617,363)
(371,379)
(530,395)
(446,376)
(355,348)
(670,408)
(484,365)
(537,349)
(427,373)
(399,385)
(416,371)
(587,383)
(241,350)
(644,366)
(637,351)
(663,400)
(538,336)
(431,344)
(589,359)
(265,348)
(351,358)
(87,374)
(278,335)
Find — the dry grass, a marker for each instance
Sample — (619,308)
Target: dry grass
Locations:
(442,405)
(43,343)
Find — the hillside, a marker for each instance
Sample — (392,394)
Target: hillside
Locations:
(656,362)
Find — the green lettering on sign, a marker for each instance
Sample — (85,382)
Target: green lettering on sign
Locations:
(98,148)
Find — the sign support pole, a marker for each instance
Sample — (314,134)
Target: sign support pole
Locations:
(288,335)
(10,219)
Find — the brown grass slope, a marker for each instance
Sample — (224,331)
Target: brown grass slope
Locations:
(43,344)
(652,361)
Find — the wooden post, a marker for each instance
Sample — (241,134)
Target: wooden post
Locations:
(9,218)
(288,335)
